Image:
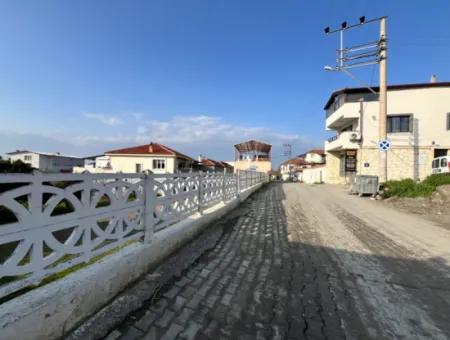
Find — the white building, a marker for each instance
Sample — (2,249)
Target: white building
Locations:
(154,157)
(315,156)
(46,162)
(291,167)
(418,127)
(99,164)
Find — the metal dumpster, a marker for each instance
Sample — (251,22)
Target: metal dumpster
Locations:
(364,185)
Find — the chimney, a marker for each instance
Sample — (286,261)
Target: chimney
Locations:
(150,147)
(433,79)
(200,158)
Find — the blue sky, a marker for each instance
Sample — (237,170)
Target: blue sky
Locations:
(85,76)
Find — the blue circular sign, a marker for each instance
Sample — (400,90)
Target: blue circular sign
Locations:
(384,145)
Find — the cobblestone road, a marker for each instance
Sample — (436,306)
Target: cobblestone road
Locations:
(272,275)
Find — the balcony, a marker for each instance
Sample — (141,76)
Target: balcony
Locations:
(344,141)
(343,116)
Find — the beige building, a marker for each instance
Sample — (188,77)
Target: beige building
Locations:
(418,128)
(253,156)
(154,157)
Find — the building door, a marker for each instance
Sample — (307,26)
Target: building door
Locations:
(138,168)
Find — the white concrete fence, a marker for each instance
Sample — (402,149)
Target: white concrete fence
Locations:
(50,222)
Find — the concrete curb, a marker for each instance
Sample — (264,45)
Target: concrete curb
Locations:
(51,311)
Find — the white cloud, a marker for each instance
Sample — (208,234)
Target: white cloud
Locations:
(202,128)
(104,119)
(193,135)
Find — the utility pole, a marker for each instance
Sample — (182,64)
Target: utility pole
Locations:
(363,55)
(383,99)
(288,152)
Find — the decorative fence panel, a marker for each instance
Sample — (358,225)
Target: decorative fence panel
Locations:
(175,197)
(50,222)
(230,188)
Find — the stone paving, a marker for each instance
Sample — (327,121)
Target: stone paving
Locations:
(253,285)
(303,262)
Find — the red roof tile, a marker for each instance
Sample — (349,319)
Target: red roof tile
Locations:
(317,151)
(149,149)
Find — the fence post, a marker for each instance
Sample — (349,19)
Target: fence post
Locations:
(224,178)
(149,207)
(200,208)
(238,184)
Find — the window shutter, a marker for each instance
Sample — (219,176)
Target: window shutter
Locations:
(448,120)
(411,123)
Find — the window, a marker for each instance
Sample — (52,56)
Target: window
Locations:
(138,167)
(399,123)
(448,120)
(159,164)
(366,97)
(435,164)
(27,157)
(443,162)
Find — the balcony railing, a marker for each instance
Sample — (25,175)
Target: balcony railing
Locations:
(332,139)
(342,141)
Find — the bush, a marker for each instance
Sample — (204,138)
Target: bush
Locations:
(6,166)
(438,179)
(410,188)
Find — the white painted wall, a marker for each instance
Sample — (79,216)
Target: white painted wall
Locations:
(127,163)
(314,175)
(314,158)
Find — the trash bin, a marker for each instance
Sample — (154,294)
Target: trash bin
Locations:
(364,185)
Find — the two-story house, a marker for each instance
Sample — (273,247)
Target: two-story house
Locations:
(315,156)
(253,155)
(418,128)
(292,166)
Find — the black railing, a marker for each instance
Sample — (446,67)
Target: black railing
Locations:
(332,139)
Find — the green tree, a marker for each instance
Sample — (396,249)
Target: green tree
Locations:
(6,166)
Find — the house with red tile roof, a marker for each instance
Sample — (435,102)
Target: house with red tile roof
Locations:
(208,164)
(154,157)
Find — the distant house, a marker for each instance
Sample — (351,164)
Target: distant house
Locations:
(95,164)
(154,157)
(292,166)
(253,155)
(208,164)
(47,162)
(315,156)
(295,166)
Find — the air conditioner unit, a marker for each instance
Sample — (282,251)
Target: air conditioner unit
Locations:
(355,136)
